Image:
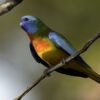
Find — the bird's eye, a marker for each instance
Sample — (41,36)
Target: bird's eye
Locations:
(26,19)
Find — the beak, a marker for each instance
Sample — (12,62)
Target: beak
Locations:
(21,24)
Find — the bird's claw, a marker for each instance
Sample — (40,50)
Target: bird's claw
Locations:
(63,61)
(46,72)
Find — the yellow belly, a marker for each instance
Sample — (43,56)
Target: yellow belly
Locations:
(51,54)
(47,51)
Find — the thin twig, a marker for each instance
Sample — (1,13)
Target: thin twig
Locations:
(8,5)
(64,61)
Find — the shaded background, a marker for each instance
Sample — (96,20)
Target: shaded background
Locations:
(78,20)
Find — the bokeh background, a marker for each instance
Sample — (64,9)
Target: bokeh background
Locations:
(78,21)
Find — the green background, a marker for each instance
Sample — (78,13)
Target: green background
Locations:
(78,21)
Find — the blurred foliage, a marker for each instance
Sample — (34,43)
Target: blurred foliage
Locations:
(78,20)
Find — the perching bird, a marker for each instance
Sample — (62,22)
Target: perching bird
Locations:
(49,48)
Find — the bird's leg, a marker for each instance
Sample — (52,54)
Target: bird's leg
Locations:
(63,61)
(46,72)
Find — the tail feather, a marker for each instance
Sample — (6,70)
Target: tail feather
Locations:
(93,75)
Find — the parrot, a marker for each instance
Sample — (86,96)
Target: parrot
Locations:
(49,47)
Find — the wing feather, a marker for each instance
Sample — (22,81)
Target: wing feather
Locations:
(65,45)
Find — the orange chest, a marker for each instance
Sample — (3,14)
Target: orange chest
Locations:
(42,45)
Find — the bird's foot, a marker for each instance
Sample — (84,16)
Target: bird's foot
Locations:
(63,61)
(46,72)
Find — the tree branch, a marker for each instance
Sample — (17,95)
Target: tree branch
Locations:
(8,5)
(64,61)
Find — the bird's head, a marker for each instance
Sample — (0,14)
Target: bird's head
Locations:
(30,24)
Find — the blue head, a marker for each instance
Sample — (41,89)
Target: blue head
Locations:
(29,24)
(32,25)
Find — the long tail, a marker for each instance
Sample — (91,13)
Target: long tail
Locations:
(93,75)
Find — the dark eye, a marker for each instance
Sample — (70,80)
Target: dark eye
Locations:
(26,19)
